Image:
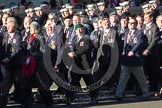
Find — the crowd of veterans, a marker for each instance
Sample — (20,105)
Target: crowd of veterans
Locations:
(85,38)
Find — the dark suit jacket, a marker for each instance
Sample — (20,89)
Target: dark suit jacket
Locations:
(105,46)
(34,47)
(82,51)
(71,29)
(160,37)
(3,29)
(134,45)
(23,34)
(160,42)
(65,32)
(56,46)
(151,37)
(10,50)
(120,39)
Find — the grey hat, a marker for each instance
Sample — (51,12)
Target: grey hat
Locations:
(35,25)
(112,13)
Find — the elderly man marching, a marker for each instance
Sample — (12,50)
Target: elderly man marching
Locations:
(132,61)
(81,52)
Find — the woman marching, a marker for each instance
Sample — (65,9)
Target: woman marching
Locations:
(34,69)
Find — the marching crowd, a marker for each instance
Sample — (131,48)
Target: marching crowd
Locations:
(85,37)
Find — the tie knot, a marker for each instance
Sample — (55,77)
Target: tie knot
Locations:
(48,39)
(147,27)
(130,32)
(122,30)
(160,29)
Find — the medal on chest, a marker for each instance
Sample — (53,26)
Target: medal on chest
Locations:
(149,32)
(110,38)
(52,44)
(82,43)
(14,41)
(12,49)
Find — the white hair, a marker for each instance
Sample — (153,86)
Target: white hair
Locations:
(53,24)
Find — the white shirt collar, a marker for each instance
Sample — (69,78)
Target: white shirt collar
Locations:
(11,35)
(80,36)
(27,30)
(107,30)
(52,34)
(149,24)
(132,31)
(160,29)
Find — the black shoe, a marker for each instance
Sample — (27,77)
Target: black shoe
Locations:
(58,91)
(159,94)
(153,89)
(94,102)
(3,102)
(118,98)
(23,106)
(50,105)
(2,106)
(138,93)
(145,98)
(68,101)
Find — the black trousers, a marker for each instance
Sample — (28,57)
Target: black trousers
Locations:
(63,74)
(75,79)
(152,69)
(1,76)
(44,92)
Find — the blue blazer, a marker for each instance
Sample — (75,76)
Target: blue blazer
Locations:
(134,45)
